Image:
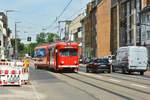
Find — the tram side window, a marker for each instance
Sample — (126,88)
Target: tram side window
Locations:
(68,52)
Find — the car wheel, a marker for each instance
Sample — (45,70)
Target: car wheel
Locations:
(113,69)
(87,70)
(109,71)
(142,73)
(95,71)
(129,72)
(123,70)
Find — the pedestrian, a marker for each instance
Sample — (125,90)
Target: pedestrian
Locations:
(26,63)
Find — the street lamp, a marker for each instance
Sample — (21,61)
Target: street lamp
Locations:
(9,11)
(16,44)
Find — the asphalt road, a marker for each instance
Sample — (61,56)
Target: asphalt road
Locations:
(47,85)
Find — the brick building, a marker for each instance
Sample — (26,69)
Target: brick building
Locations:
(103,24)
(96,28)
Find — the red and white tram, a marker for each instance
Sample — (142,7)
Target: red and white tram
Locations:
(42,58)
(64,55)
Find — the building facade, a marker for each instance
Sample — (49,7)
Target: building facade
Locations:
(88,24)
(103,27)
(145,25)
(5,42)
(96,28)
(125,30)
(75,30)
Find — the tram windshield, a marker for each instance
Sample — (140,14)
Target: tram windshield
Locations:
(68,52)
(40,52)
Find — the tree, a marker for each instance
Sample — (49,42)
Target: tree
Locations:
(46,37)
(52,37)
(21,46)
(30,48)
(41,38)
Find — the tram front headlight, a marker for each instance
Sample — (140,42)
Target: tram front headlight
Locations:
(75,62)
(62,62)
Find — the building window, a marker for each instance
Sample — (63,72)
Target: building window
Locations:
(148,35)
(148,18)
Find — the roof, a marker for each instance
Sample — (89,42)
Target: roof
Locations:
(62,44)
(42,46)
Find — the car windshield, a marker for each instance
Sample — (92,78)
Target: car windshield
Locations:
(68,52)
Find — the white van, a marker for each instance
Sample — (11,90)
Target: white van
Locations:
(131,59)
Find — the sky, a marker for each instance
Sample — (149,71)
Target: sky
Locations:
(35,15)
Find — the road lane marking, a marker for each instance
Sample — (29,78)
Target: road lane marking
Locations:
(138,85)
(114,80)
(87,74)
(98,76)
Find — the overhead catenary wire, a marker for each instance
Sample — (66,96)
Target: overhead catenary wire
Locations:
(58,17)
(77,12)
(74,14)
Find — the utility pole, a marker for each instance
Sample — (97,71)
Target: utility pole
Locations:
(8,43)
(16,42)
(67,22)
(9,11)
(59,32)
(29,40)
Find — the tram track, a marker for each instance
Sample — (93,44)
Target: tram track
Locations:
(134,76)
(101,88)
(139,80)
(106,89)
(106,81)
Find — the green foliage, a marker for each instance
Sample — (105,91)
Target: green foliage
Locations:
(46,37)
(52,37)
(29,48)
(20,45)
(40,38)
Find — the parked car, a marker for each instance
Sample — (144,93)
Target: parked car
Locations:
(131,59)
(98,65)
